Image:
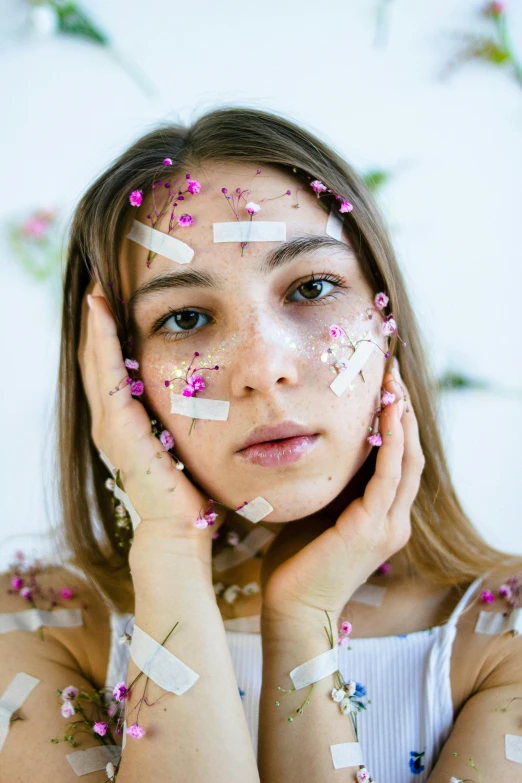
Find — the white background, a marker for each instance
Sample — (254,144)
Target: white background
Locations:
(453,205)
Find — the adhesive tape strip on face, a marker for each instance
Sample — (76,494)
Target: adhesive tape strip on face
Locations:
(354,365)
(255,510)
(90,760)
(119,493)
(160,243)
(249,231)
(346,754)
(492,623)
(514,748)
(160,665)
(316,668)
(32,619)
(12,699)
(199,408)
(372,595)
(334,226)
(251,544)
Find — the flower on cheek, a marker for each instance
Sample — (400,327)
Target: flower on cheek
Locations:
(389,326)
(345,206)
(336,332)
(185,220)
(136,197)
(193,186)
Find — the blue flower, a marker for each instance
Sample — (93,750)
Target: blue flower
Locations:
(415,762)
(360,690)
(241,693)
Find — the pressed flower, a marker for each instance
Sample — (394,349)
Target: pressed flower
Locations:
(230,593)
(350,687)
(345,206)
(66,593)
(136,197)
(211,517)
(137,388)
(167,162)
(188,390)
(343,641)
(338,695)
(346,627)
(487,597)
(132,364)
(347,707)
(375,439)
(185,220)
(389,326)
(201,522)
(317,186)
(197,382)
(26,592)
(252,208)
(135,731)
(336,332)
(362,775)
(193,186)
(100,728)
(251,588)
(17,582)
(70,693)
(505,591)
(167,440)
(383,568)
(380,301)
(67,709)
(387,398)
(120,691)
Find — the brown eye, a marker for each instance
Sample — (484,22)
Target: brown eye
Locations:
(311,289)
(185,320)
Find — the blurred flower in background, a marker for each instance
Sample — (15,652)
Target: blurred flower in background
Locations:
(35,243)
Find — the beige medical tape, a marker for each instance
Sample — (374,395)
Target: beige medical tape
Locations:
(252,543)
(160,665)
(353,366)
(160,243)
(371,595)
(199,408)
(346,754)
(255,510)
(249,231)
(12,699)
(334,226)
(31,619)
(514,748)
(495,623)
(119,493)
(316,668)
(90,760)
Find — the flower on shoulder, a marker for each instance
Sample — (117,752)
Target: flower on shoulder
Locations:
(67,709)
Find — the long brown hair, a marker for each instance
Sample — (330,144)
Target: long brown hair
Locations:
(444,545)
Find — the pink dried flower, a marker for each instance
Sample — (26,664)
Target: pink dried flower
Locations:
(389,326)
(167,162)
(136,197)
(343,641)
(346,627)
(185,220)
(193,186)
(167,440)
(383,568)
(380,301)
(137,388)
(135,731)
(70,693)
(362,775)
(201,523)
(197,383)
(66,593)
(252,208)
(375,439)
(487,597)
(100,728)
(120,691)
(132,364)
(317,186)
(505,591)
(494,9)
(388,398)
(336,332)
(188,390)
(345,206)
(67,709)
(17,582)
(26,592)
(211,517)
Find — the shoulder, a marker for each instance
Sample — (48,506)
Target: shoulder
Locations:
(481,661)
(85,647)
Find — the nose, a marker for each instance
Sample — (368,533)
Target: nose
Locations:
(265,360)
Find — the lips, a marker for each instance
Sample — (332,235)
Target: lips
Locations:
(278,445)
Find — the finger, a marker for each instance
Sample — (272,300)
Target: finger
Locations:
(114,391)
(413,461)
(87,358)
(381,489)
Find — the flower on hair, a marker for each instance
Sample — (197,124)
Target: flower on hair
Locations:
(137,388)
(132,364)
(381,300)
(135,731)
(346,206)
(487,596)
(336,332)
(136,197)
(167,162)
(318,187)
(389,326)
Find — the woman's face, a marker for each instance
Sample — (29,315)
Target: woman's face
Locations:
(265,321)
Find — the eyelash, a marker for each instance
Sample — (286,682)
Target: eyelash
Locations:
(324,277)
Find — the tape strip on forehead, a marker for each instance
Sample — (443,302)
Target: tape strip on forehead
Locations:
(249,231)
(334,226)
(160,243)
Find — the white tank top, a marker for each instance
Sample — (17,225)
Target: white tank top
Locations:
(406,677)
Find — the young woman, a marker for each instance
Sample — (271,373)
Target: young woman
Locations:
(249,452)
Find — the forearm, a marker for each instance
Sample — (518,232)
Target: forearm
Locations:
(201,734)
(299,750)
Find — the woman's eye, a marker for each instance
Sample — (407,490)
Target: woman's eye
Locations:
(312,289)
(185,320)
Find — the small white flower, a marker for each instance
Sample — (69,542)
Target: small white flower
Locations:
(230,593)
(338,694)
(455,780)
(350,687)
(218,587)
(67,709)
(251,588)
(110,484)
(110,769)
(120,510)
(347,707)
(125,639)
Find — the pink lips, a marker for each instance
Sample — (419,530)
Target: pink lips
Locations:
(278,445)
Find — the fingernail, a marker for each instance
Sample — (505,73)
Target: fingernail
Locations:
(89,300)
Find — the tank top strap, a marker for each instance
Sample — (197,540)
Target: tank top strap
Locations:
(454,617)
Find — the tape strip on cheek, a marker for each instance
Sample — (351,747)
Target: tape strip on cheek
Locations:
(32,619)
(334,226)
(252,543)
(492,623)
(160,243)
(160,665)
(249,231)
(256,510)
(119,493)
(514,748)
(199,408)
(12,699)
(354,365)
(90,760)
(316,668)
(346,754)
(372,595)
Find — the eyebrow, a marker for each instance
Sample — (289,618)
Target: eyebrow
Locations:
(283,254)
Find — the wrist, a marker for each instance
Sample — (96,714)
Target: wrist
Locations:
(298,625)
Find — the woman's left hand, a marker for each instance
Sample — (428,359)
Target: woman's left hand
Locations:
(326,571)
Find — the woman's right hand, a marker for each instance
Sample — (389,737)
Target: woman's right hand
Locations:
(121,428)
